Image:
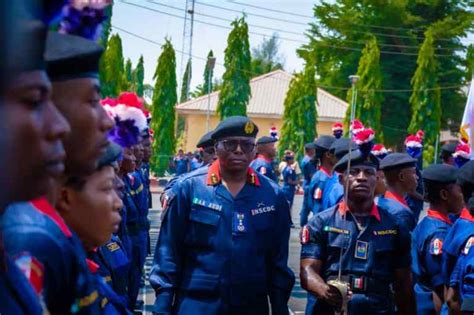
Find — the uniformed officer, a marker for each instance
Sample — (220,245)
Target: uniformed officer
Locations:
(30,138)
(414,148)
(400,178)
(181,163)
(444,197)
(145,166)
(447,151)
(334,189)
(308,166)
(56,253)
(461,233)
(317,186)
(90,206)
(375,249)
(290,178)
(266,153)
(206,145)
(223,243)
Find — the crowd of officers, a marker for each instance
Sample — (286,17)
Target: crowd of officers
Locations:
(75,195)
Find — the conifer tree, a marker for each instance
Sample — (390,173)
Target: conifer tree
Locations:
(203,89)
(129,82)
(163,109)
(425,100)
(369,99)
(235,92)
(112,72)
(185,83)
(139,76)
(300,114)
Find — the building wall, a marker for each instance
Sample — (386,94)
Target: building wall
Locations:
(196,128)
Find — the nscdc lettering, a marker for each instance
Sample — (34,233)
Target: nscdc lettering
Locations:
(262,210)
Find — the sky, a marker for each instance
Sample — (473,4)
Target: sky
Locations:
(143,26)
(132,16)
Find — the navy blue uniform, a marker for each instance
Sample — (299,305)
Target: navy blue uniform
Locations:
(308,168)
(397,206)
(265,167)
(427,247)
(288,189)
(466,276)
(334,192)
(456,238)
(140,195)
(35,228)
(17,295)
(182,164)
(219,254)
(114,266)
(370,255)
(145,171)
(317,189)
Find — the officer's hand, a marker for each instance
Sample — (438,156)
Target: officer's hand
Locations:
(332,296)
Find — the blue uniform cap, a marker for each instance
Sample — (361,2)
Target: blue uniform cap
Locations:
(440,173)
(466,174)
(357,158)
(205,141)
(397,161)
(112,154)
(235,126)
(340,147)
(449,147)
(71,57)
(324,142)
(310,145)
(266,139)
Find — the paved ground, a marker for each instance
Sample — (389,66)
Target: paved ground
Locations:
(298,297)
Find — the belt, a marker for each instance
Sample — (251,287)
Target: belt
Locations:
(365,284)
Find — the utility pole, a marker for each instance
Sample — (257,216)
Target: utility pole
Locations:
(187,47)
(211,62)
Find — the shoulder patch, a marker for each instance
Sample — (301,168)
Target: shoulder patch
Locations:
(436,247)
(263,170)
(33,270)
(167,199)
(318,193)
(304,235)
(468,245)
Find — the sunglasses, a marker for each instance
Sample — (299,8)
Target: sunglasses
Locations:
(231,145)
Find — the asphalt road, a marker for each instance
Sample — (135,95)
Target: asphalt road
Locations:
(298,297)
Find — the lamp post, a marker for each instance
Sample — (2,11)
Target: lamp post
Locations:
(211,62)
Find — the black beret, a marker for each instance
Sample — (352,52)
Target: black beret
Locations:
(466,173)
(266,139)
(449,147)
(235,126)
(440,173)
(324,142)
(310,145)
(112,154)
(205,141)
(397,161)
(71,57)
(340,147)
(356,158)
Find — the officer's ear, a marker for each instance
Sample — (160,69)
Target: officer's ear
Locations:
(341,179)
(401,176)
(444,194)
(64,201)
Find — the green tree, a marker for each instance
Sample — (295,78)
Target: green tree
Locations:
(139,76)
(112,70)
(163,109)
(266,57)
(235,92)
(300,115)
(185,83)
(342,27)
(369,103)
(426,98)
(129,82)
(106,26)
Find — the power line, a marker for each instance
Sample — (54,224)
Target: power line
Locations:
(282,38)
(254,74)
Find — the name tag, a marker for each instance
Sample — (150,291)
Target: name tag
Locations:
(207,204)
(361,249)
(334,229)
(385,232)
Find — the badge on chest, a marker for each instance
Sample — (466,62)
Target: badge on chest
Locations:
(361,249)
(239,223)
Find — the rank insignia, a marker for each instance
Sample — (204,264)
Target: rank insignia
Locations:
(361,250)
(252,178)
(113,246)
(468,245)
(436,247)
(318,193)
(304,236)
(214,179)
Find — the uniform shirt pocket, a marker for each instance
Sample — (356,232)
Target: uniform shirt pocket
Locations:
(203,226)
